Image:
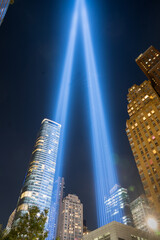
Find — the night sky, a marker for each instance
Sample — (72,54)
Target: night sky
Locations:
(33,42)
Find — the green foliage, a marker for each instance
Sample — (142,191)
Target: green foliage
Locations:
(29,226)
(1,232)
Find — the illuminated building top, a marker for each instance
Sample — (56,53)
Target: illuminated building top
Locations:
(117,204)
(149,63)
(139,96)
(143,131)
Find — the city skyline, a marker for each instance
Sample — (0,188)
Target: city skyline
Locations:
(38,112)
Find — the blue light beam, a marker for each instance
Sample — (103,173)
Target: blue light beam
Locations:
(61,117)
(104,172)
(63,99)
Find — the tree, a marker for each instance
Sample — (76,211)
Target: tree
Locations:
(29,226)
(1,232)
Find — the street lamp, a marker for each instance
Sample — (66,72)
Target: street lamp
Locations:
(152,223)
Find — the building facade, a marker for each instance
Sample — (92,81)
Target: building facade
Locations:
(38,185)
(117,206)
(3,8)
(57,197)
(149,63)
(10,220)
(140,212)
(118,231)
(71,218)
(143,131)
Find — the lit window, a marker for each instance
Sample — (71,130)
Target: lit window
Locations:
(26,194)
(23,207)
(154,151)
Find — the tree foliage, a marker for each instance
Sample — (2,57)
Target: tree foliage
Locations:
(29,226)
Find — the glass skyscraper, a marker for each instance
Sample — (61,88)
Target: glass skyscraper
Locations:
(38,185)
(3,8)
(117,204)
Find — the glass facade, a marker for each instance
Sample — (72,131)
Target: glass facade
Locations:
(38,185)
(117,204)
(57,197)
(3,9)
(140,212)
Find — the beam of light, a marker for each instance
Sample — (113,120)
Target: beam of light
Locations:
(3,9)
(104,172)
(63,98)
(61,117)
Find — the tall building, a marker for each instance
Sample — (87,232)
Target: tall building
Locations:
(143,131)
(149,63)
(57,197)
(140,212)
(38,185)
(10,220)
(71,218)
(119,231)
(3,8)
(117,204)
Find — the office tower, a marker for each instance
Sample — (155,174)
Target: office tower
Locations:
(143,131)
(57,197)
(149,63)
(117,204)
(3,8)
(71,223)
(140,212)
(119,231)
(38,185)
(10,220)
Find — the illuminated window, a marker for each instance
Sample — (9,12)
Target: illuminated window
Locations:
(23,207)
(154,151)
(26,194)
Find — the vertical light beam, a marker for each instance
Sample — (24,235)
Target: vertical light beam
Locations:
(61,115)
(105,175)
(63,98)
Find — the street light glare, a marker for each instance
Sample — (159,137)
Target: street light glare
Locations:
(152,223)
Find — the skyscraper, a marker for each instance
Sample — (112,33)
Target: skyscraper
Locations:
(71,218)
(10,220)
(3,8)
(143,131)
(38,185)
(57,197)
(117,204)
(149,63)
(140,212)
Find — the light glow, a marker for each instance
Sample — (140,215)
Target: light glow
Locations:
(104,173)
(63,99)
(152,223)
(105,177)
